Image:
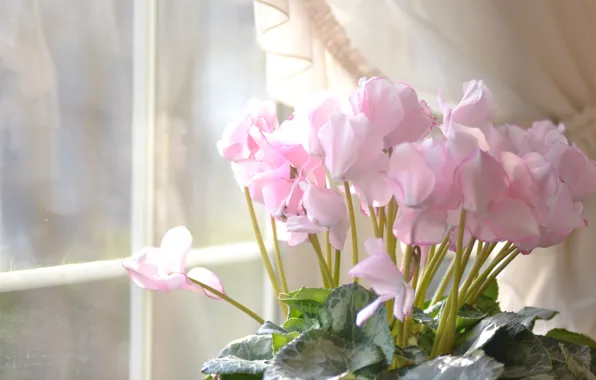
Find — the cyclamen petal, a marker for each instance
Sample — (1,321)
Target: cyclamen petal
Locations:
(206,277)
(370,309)
(477,105)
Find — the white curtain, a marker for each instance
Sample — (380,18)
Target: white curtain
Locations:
(537,56)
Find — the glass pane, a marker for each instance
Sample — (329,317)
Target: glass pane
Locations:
(209,65)
(68,333)
(189,328)
(65,131)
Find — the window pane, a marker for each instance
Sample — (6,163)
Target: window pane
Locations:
(68,333)
(65,131)
(208,67)
(189,328)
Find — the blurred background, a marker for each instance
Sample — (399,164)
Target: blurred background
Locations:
(66,149)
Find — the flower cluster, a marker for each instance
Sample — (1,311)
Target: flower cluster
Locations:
(468,185)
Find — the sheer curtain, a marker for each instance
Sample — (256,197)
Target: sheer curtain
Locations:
(538,58)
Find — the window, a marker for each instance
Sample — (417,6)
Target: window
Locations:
(109,113)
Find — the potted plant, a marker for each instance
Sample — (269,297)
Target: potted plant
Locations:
(471,187)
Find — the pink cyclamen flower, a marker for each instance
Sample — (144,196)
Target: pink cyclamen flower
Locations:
(164,269)
(236,143)
(325,210)
(385,279)
(393,110)
(476,107)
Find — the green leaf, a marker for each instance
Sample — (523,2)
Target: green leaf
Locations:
(422,318)
(467,317)
(415,354)
(570,360)
(252,347)
(308,304)
(486,329)
(530,314)
(269,328)
(280,340)
(492,291)
(475,366)
(318,354)
(568,336)
(426,341)
(344,303)
(240,376)
(487,302)
(435,309)
(297,324)
(523,354)
(229,365)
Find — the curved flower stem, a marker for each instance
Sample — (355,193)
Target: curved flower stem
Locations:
(390,240)
(480,260)
(374,222)
(336,267)
(482,277)
(444,282)
(512,255)
(405,331)
(352,225)
(446,330)
(382,220)
(328,259)
(230,300)
(278,260)
(459,270)
(264,253)
(429,273)
(327,279)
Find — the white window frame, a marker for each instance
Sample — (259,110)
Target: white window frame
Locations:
(142,209)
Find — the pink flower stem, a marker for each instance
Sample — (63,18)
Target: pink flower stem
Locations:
(352,225)
(230,300)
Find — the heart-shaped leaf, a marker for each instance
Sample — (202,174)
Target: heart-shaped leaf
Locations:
(269,328)
(252,347)
(344,303)
(233,365)
(475,366)
(317,354)
(529,315)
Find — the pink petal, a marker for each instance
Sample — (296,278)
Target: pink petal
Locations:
(412,175)
(403,302)
(477,105)
(379,271)
(482,181)
(324,206)
(303,224)
(512,220)
(206,277)
(420,227)
(414,121)
(368,311)
(338,233)
(174,248)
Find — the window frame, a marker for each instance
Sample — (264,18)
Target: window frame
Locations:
(145,60)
